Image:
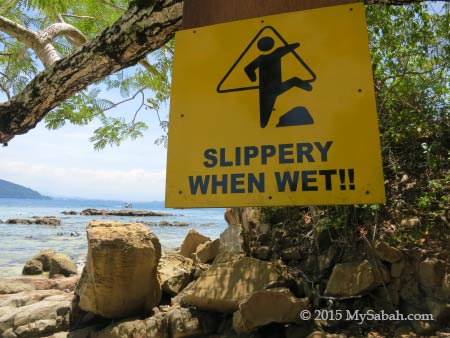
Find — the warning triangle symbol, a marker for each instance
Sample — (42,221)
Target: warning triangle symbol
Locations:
(236,79)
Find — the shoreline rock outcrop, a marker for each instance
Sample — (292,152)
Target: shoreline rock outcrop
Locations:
(48,220)
(133,213)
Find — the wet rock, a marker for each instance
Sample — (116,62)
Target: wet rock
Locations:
(32,267)
(62,265)
(120,277)
(206,252)
(130,213)
(180,224)
(232,239)
(44,257)
(191,242)
(71,212)
(387,253)
(228,281)
(263,307)
(431,272)
(49,220)
(353,279)
(175,271)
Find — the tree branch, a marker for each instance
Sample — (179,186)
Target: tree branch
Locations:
(18,32)
(77,16)
(145,27)
(63,29)
(41,42)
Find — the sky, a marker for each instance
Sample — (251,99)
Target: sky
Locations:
(63,163)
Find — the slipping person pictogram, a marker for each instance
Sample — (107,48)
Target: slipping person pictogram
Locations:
(267,69)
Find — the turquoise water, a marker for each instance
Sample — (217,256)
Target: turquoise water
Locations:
(18,243)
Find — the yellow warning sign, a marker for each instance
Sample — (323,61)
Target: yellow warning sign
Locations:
(276,110)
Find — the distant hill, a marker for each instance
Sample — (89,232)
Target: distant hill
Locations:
(12,190)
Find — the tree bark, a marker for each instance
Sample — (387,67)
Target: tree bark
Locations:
(146,26)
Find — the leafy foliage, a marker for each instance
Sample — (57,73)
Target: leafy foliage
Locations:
(410,48)
(149,82)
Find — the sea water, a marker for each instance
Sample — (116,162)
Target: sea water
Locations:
(19,242)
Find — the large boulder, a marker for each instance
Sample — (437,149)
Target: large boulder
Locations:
(120,277)
(45,257)
(229,281)
(175,272)
(191,242)
(354,279)
(32,267)
(62,265)
(263,307)
(206,252)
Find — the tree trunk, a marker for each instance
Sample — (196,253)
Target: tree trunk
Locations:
(146,26)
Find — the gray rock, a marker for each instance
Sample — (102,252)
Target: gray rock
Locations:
(44,257)
(49,220)
(32,267)
(232,240)
(62,265)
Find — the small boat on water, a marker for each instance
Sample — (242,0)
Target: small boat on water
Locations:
(128,205)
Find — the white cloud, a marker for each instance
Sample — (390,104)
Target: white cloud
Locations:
(125,184)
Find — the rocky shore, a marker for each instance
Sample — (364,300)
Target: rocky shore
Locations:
(128,212)
(257,281)
(48,220)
